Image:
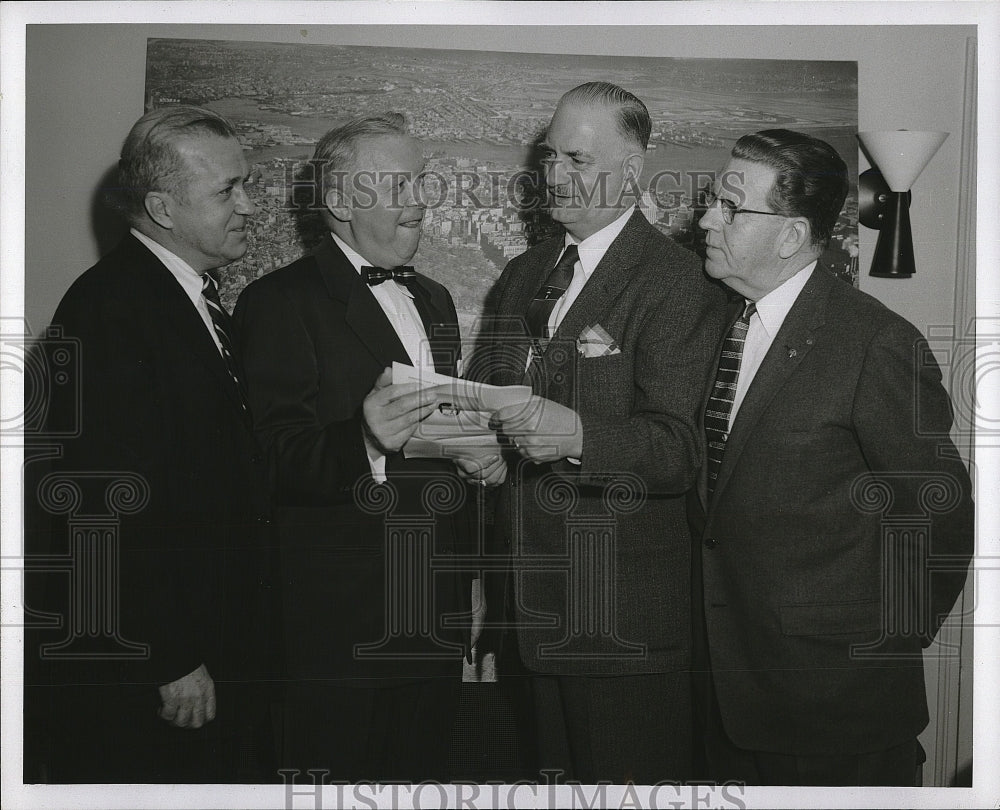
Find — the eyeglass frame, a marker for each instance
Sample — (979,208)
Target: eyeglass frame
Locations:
(729,210)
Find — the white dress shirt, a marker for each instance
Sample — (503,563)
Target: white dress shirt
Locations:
(771,312)
(189,279)
(398,305)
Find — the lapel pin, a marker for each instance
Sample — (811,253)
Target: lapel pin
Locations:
(792,352)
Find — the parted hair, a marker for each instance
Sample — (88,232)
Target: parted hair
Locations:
(811,179)
(150,160)
(632,117)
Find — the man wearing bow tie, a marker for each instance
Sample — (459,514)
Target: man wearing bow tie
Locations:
(613,326)
(373,675)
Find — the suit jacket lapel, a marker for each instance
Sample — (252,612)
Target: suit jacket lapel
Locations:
(608,279)
(610,276)
(793,342)
(442,332)
(362,312)
(183,319)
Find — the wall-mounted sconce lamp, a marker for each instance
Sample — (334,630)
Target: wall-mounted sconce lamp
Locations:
(884,194)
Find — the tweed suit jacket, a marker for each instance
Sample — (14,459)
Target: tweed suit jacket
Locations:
(838,534)
(314,340)
(619,514)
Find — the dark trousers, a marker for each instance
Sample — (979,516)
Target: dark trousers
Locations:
(394,733)
(111,733)
(719,760)
(618,729)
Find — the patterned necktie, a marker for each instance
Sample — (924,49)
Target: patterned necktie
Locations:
(720,402)
(221,322)
(376,275)
(544,302)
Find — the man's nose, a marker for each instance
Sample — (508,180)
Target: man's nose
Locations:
(555,174)
(711,219)
(244,205)
(411,197)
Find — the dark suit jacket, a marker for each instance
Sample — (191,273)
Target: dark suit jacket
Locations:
(838,535)
(641,451)
(152,404)
(314,339)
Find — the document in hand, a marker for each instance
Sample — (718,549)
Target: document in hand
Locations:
(460,425)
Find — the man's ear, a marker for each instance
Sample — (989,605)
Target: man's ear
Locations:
(632,168)
(158,208)
(797,237)
(337,204)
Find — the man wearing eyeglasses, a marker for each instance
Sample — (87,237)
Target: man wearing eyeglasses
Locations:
(825,423)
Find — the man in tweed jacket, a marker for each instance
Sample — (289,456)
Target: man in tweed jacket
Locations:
(590,502)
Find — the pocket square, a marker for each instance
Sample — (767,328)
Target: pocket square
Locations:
(594,341)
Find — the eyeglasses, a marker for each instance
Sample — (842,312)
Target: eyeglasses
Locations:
(730,210)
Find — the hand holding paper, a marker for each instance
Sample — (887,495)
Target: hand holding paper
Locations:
(542,430)
(459,428)
(393,411)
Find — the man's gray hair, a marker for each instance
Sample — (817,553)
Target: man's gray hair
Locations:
(337,151)
(633,119)
(150,160)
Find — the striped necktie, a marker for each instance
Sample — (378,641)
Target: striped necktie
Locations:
(720,402)
(221,322)
(544,302)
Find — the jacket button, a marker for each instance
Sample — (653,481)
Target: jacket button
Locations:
(710,542)
(264,520)
(256,458)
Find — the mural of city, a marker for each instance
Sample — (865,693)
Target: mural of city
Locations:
(479,115)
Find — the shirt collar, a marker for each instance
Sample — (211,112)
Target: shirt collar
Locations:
(593,248)
(773,308)
(358,261)
(189,278)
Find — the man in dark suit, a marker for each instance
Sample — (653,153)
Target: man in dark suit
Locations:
(162,611)
(613,325)
(834,519)
(373,670)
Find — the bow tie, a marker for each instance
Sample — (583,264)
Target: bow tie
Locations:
(376,275)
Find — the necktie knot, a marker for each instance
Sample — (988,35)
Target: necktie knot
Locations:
(376,275)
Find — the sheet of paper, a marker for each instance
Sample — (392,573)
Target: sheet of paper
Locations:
(484,444)
(450,423)
(462,394)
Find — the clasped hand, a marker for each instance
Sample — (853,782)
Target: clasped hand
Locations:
(189,702)
(541,430)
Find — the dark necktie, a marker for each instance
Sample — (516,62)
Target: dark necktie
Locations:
(720,402)
(376,275)
(221,321)
(544,302)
